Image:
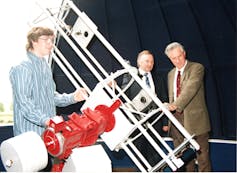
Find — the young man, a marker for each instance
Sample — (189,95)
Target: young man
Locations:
(34,92)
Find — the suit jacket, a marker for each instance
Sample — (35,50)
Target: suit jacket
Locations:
(191,99)
(161,92)
(142,143)
(159,82)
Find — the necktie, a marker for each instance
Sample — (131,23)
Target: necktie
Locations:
(147,80)
(178,87)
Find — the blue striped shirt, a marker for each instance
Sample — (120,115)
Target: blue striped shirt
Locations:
(34,95)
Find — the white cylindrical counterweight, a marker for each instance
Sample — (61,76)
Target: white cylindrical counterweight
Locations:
(25,152)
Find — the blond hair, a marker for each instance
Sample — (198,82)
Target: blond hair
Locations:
(35,33)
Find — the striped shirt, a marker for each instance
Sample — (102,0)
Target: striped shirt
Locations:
(34,95)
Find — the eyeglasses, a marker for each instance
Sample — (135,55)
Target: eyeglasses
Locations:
(47,39)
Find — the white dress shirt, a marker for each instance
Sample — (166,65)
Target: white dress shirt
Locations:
(152,86)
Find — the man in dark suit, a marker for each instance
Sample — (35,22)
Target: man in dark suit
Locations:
(187,100)
(157,85)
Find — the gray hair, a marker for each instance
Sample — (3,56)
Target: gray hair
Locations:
(172,46)
(144,52)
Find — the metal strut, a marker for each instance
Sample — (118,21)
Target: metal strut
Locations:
(79,36)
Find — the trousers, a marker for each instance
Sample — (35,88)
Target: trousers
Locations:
(203,158)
